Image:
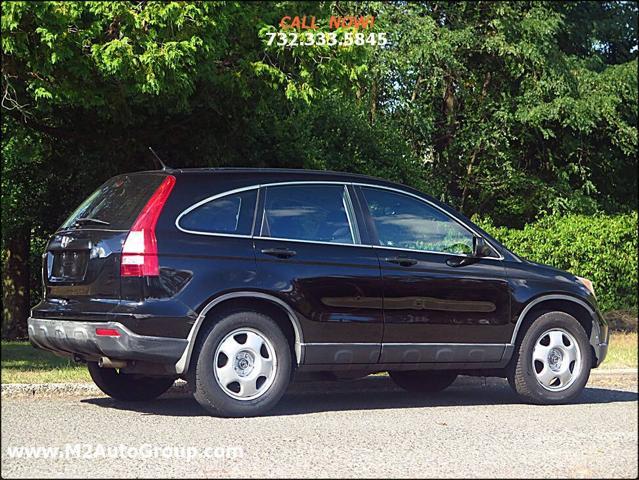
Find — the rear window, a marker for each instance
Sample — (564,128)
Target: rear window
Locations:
(116,204)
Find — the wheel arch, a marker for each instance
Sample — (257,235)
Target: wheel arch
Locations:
(575,307)
(272,306)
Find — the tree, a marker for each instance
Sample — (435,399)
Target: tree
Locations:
(520,107)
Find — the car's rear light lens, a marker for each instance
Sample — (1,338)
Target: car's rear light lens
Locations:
(140,249)
(107,332)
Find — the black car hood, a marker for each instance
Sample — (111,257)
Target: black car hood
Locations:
(549,269)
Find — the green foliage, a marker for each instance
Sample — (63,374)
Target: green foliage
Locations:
(601,248)
(513,116)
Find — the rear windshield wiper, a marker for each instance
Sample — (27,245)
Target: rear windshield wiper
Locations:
(90,220)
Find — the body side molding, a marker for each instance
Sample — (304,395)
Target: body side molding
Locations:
(182,364)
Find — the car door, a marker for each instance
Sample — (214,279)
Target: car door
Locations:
(309,253)
(439,304)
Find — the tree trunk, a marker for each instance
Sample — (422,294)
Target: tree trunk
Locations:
(15,286)
(469,172)
(373,101)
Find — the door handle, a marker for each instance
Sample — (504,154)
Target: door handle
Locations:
(403,261)
(279,252)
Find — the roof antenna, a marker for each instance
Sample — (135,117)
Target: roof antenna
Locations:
(164,167)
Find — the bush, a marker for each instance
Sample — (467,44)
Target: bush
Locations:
(602,248)
(622,320)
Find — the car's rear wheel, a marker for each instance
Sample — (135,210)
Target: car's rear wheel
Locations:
(553,360)
(243,365)
(424,381)
(128,387)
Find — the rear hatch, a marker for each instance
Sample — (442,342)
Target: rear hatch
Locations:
(81,265)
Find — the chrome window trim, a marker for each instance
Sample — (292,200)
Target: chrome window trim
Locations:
(305,182)
(328,182)
(350,215)
(382,247)
(211,234)
(316,242)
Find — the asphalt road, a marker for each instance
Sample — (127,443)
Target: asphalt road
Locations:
(352,429)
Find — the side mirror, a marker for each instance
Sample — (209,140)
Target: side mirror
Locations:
(480,248)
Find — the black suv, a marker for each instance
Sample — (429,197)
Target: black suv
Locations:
(235,279)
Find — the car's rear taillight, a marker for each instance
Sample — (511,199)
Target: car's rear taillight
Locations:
(140,249)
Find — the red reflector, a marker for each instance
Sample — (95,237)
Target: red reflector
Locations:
(140,249)
(107,332)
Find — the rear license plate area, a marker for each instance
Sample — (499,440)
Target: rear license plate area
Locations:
(69,266)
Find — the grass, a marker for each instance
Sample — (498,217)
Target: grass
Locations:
(622,352)
(21,363)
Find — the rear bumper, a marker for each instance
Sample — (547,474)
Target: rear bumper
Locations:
(75,338)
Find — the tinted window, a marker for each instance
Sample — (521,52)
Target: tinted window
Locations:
(118,201)
(406,222)
(230,214)
(308,212)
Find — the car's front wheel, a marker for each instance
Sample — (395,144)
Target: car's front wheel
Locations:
(553,360)
(243,365)
(424,381)
(128,387)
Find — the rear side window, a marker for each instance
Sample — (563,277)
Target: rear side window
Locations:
(116,204)
(320,213)
(231,214)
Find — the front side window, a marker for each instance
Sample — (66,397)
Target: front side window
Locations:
(231,214)
(317,213)
(406,222)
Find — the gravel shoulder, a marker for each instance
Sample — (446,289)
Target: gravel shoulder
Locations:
(349,429)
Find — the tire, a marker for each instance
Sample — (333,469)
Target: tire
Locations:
(562,360)
(243,365)
(128,387)
(424,381)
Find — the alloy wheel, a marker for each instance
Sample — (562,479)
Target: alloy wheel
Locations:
(245,364)
(556,359)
